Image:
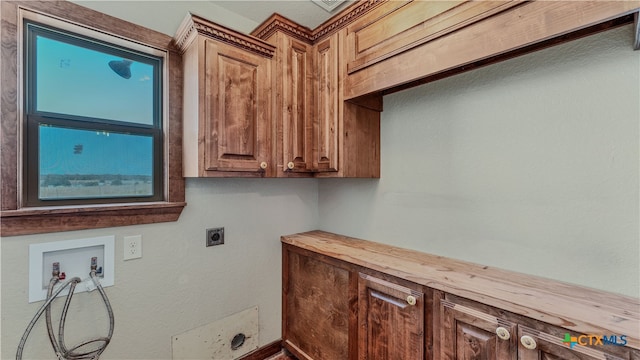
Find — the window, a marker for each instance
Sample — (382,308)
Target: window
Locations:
(93,113)
(77,135)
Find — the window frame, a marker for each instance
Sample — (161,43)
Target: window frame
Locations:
(33,117)
(16,217)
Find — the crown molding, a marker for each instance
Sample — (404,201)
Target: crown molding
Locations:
(194,25)
(277,22)
(345,17)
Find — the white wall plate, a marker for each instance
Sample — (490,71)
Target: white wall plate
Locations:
(74,257)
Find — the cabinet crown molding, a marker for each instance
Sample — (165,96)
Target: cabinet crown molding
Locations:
(194,25)
(346,17)
(277,22)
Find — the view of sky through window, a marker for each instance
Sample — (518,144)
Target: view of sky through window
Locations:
(78,81)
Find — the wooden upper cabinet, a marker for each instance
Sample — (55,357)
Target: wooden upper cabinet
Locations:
(317,134)
(227,101)
(315,110)
(397,26)
(450,37)
(391,320)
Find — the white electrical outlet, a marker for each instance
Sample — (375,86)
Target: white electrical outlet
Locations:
(132,247)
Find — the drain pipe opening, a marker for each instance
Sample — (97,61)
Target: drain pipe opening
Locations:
(238,341)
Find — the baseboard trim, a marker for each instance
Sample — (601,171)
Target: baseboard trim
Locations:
(264,352)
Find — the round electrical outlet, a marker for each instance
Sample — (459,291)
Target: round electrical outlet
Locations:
(215,236)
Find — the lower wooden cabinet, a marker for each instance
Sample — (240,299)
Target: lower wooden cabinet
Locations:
(470,330)
(332,311)
(349,299)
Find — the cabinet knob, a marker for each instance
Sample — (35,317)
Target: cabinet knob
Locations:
(528,342)
(291,165)
(263,165)
(503,333)
(411,300)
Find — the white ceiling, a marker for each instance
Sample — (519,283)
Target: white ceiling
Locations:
(304,12)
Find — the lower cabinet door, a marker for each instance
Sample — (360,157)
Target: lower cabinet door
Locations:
(317,304)
(391,320)
(471,334)
(535,345)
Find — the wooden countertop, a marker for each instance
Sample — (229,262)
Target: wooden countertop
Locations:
(569,306)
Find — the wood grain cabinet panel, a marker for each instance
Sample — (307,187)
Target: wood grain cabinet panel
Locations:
(293,113)
(297,112)
(470,334)
(326,132)
(391,320)
(237,109)
(398,26)
(317,300)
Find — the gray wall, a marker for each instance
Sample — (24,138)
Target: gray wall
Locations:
(178,284)
(529,165)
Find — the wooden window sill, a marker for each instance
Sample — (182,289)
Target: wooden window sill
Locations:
(67,218)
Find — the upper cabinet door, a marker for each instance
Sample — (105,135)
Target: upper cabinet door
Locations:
(391,320)
(237,109)
(327,109)
(297,112)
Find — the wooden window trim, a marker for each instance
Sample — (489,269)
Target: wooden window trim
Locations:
(15,219)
